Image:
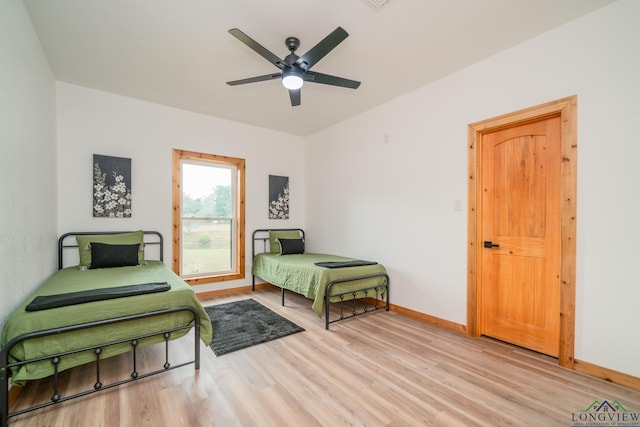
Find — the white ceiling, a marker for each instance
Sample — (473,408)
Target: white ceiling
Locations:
(179,53)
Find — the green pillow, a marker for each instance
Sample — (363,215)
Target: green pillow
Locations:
(84,248)
(274,246)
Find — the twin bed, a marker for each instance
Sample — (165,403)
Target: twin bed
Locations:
(115,299)
(358,286)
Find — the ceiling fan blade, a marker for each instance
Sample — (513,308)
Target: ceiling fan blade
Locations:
(257,47)
(255,79)
(294,94)
(328,79)
(325,46)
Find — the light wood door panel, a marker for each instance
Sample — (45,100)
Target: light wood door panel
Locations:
(520,278)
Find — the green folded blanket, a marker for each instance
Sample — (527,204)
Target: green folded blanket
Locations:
(45,302)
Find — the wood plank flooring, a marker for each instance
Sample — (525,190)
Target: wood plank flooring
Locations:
(383,369)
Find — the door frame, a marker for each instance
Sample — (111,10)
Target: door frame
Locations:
(566,108)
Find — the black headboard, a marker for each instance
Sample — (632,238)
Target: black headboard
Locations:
(152,238)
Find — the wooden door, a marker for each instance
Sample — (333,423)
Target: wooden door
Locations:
(521,240)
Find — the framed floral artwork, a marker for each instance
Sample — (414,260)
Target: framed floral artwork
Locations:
(278,197)
(111,187)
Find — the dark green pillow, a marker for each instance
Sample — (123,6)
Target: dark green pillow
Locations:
(104,255)
(291,246)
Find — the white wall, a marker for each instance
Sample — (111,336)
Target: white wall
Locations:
(27,175)
(346,181)
(93,122)
(403,203)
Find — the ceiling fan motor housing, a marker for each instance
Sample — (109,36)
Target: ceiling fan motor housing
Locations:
(292,43)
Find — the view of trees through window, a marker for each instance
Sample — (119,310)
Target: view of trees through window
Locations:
(216,204)
(207,218)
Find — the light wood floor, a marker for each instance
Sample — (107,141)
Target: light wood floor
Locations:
(382,369)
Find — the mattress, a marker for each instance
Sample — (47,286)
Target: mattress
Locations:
(73,279)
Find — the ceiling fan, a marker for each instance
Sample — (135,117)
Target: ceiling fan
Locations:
(296,69)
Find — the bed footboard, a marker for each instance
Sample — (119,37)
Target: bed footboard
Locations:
(57,397)
(371,292)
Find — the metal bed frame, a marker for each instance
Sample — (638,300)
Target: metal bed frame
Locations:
(375,291)
(57,397)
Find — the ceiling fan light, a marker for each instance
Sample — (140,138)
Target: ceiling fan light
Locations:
(292,81)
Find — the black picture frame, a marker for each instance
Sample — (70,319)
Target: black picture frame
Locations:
(278,197)
(111,187)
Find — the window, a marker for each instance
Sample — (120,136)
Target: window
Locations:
(208,217)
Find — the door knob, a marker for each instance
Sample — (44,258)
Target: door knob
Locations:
(489,244)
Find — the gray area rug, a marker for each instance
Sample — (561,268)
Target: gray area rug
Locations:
(241,324)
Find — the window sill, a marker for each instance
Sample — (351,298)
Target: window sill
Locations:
(212,279)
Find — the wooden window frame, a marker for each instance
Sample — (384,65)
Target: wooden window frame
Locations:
(239,237)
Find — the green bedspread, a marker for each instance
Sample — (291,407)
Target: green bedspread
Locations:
(72,279)
(298,273)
